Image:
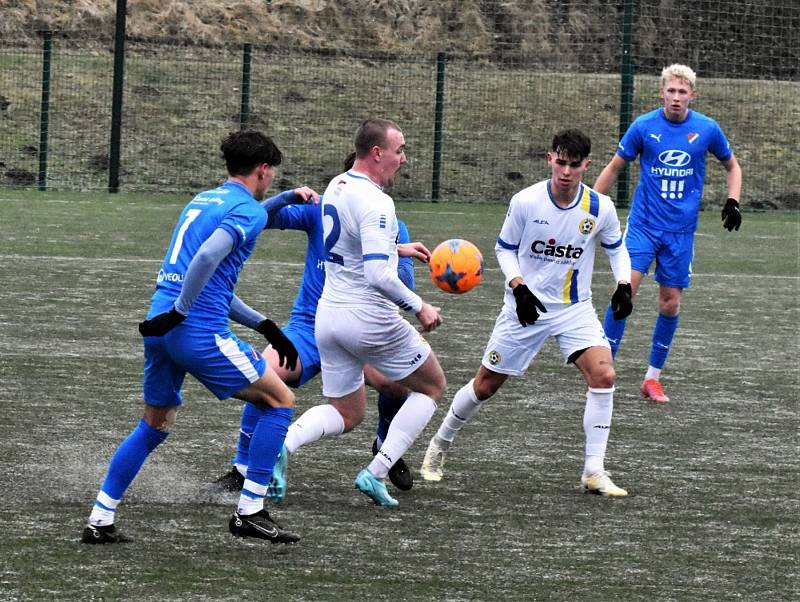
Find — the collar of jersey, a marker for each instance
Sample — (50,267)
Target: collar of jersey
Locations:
(571,205)
(231,183)
(360,176)
(675,123)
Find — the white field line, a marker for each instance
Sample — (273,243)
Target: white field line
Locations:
(142,260)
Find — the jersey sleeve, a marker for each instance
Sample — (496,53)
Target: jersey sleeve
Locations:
(631,144)
(244,222)
(720,147)
(376,223)
(610,236)
(293,217)
(508,241)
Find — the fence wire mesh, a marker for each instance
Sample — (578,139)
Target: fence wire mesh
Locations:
(514,73)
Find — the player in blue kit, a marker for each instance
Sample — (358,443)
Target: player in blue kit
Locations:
(187,330)
(671,143)
(285,215)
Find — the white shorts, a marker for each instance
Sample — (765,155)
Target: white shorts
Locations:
(512,347)
(348,338)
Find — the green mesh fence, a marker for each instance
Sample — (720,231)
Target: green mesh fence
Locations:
(503,100)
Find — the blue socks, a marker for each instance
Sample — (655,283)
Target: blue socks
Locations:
(614,329)
(247,424)
(663,331)
(387,408)
(129,458)
(267,442)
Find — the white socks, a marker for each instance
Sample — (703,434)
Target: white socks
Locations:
(408,423)
(465,405)
(315,423)
(596,426)
(654,373)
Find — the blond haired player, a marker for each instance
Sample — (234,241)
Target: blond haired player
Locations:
(672,143)
(546,251)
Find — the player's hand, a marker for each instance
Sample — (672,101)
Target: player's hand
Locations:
(309,195)
(731,216)
(527,305)
(287,354)
(159,325)
(414,249)
(429,317)
(621,301)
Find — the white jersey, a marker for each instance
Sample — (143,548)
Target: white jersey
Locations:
(359,226)
(552,248)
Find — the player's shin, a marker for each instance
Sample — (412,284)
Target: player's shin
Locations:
(125,465)
(267,441)
(663,332)
(596,427)
(614,329)
(406,426)
(464,406)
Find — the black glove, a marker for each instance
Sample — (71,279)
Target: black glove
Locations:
(621,304)
(527,304)
(161,324)
(287,354)
(731,216)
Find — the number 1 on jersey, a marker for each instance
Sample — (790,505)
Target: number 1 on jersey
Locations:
(191,215)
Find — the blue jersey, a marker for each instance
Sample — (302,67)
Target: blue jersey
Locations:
(231,207)
(672,161)
(308,218)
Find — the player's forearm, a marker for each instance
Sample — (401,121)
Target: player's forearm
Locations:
(386,281)
(241,313)
(202,267)
(620,262)
(274,204)
(507,258)
(734,179)
(609,175)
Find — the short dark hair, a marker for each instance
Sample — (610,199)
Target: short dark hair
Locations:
(247,149)
(372,132)
(349,160)
(572,143)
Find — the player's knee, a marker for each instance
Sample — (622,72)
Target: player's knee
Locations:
(161,418)
(484,387)
(603,377)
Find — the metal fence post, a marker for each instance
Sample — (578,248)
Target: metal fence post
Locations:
(437,127)
(626,98)
(44,115)
(244,111)
(116,101)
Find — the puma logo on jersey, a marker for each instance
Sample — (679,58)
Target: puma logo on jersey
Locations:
(656,137)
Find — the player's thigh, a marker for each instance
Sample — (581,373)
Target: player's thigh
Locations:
(222,362)
(427,379)
(577,328)
(674,261)
(393,347)
(382,384)
(301,334)
(163,377)
(269,390)
(342,370)
(511,346)
(642,245)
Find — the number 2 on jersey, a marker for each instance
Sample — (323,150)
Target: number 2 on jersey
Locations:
(191,215)
(332,237)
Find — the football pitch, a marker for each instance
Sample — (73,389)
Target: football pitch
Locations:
(713,475)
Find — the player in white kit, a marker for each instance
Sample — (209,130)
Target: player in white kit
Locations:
(357,320)
(546,251)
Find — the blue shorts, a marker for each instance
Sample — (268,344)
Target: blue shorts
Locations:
(301,334)
(672,251)
(219,360)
